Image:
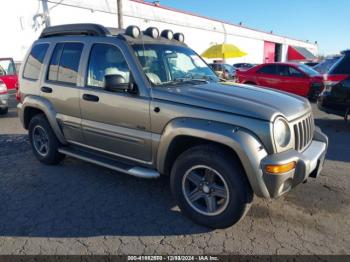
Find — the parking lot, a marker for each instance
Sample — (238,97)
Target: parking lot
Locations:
(80,208)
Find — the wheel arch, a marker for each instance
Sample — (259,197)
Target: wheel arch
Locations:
(33,105)
(181,134)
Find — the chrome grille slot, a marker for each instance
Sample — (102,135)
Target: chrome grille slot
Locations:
(303,132)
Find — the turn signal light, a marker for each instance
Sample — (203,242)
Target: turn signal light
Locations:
(278,169)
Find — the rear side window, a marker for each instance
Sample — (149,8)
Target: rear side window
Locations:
(64,64)
(34,62)
(268,69)
(342,66)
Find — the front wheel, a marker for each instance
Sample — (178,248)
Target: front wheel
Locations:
(210,187)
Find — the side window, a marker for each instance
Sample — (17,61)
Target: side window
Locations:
(294,72)
(268,69)
(105,60)
(64,64)
(54,63)
(35,61)
(282,70)
(7,67)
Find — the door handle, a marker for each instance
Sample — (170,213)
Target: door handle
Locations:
(46,89)
(91,98)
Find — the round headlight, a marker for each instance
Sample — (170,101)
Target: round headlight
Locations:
(281,132)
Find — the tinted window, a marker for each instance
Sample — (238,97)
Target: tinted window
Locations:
(54,63)
(34,61)
(293,72)
(106,60)
(324,66)
(7,67)
(308,70)
(284,70)
(342,66)
(268,69)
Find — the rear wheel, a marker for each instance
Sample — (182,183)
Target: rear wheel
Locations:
(43,141)
(210,187)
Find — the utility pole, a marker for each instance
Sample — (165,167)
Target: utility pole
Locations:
(46,13)
(120,13)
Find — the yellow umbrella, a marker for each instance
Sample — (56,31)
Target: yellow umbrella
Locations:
(223,51)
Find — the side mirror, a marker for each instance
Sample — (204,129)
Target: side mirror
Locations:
(115,83)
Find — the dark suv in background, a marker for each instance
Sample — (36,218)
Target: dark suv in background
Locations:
(335,98)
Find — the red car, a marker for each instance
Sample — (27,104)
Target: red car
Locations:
(294,78)
(8,74)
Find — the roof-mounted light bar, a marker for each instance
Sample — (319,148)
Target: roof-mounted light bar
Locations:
(133,31)
(168,34)
(152,32)
(179,37)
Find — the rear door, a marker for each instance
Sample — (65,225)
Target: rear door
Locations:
(292,80)
(60,87)
(267,76)
(8,73)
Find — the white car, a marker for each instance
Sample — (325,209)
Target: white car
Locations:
(3,98)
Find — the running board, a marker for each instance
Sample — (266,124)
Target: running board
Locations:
(109,163)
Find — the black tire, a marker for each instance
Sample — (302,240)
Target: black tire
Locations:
(240,192)
(4,111)
(52,155)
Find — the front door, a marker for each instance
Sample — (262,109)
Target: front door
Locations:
(114,122)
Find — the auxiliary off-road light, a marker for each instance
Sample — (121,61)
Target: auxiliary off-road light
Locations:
(168,34)
(280,169)
(152,32)
(179,37)
(133,31)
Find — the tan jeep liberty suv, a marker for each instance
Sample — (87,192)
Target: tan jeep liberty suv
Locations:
(144,104)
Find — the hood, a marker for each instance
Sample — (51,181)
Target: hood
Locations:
(250,101)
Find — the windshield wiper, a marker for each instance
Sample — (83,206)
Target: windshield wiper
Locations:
(179,81)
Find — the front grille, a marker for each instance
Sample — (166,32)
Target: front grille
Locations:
(303,132)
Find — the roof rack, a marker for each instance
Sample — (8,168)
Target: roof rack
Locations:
(75,29)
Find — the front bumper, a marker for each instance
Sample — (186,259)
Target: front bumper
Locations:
(309,163)
(4,101)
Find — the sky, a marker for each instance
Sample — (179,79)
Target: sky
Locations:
(324,21)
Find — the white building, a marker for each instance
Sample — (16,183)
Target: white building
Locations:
(23,20)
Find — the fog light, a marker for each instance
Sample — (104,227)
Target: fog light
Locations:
(278,169)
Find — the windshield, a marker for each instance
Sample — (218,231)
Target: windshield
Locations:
(167,64)
(308,70)
(7,67)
